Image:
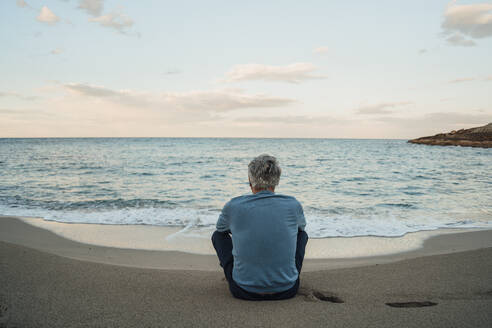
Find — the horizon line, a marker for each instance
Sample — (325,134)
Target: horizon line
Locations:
(337,138)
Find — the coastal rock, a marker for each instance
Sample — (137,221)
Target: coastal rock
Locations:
(474,137)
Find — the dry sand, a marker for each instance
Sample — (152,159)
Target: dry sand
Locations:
(41,289)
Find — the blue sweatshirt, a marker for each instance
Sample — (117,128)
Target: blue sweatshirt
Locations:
(264,230)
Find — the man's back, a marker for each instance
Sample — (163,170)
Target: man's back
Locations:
(264,229)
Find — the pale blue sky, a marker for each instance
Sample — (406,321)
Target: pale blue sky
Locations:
(357,69)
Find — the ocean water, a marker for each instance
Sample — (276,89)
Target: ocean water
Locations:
(347,187)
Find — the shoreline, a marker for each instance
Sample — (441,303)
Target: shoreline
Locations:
(16,230)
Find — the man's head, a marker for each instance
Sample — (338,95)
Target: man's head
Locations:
(264,173)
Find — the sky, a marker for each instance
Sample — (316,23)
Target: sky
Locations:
(288,69)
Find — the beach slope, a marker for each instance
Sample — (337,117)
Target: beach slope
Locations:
(45,290)
(40,289)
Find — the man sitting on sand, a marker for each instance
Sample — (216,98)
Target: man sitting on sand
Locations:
(263,258)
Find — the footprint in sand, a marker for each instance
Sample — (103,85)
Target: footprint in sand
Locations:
(313,295)
(3,315)
(487,293)
(411,304)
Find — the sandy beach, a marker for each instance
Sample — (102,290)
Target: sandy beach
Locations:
(50,281)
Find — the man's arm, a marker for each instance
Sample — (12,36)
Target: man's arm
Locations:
(223,223)
(301,220)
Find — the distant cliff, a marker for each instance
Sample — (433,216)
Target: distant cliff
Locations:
(474,137)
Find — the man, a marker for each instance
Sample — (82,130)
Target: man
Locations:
(263,258)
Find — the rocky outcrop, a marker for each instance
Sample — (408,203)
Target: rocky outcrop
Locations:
(474,137)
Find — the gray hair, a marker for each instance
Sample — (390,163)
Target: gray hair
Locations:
(264,172)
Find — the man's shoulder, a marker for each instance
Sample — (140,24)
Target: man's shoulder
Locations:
(274,196)
(288,197)
(234,201)
(238,199)
(291,200)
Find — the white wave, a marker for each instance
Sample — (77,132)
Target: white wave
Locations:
(193,222)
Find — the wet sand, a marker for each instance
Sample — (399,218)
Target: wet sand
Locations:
(42,287)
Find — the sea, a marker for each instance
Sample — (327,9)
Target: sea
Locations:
(348,187)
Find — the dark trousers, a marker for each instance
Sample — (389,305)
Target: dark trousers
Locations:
(223,246)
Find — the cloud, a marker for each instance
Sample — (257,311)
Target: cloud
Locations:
(92,7)
(17,95)
(209,101)
(459,118)
(291,120)
(292,73)
(47,16)
(321,50)
(222,100)
(56,51)
(474,20)
(441,118)
(432,123)
(93,91)
(459,40)
(470,79)
(24,114)
(463,79)
(22,4)
(381,108)
(422,51)
(115,20)
(172,72)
